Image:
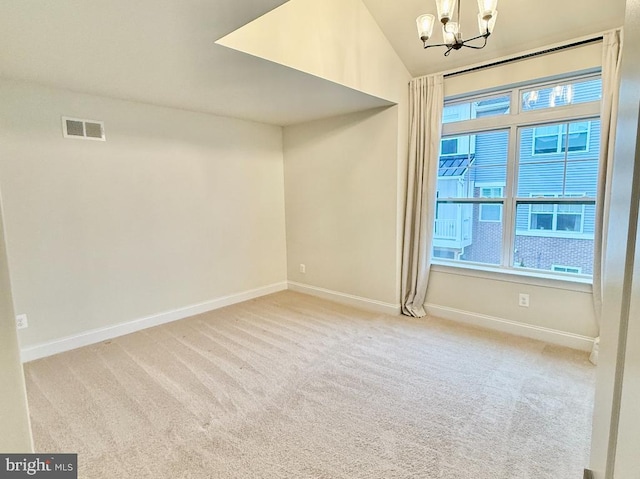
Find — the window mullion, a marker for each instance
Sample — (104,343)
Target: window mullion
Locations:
(509,216)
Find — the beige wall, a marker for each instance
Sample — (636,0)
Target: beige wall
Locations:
(337,40)
(174,209)
(341,203)
(14,416)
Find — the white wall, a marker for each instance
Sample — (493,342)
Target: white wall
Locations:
(585,57)
(557,312)
(337,40)
(14,416)
(616,421)
(174,209)
(341,203)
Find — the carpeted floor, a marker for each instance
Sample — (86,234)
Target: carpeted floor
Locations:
(290,386)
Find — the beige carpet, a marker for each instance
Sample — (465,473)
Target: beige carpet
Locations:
(290,386)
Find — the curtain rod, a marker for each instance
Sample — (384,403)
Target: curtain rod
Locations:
(525,56)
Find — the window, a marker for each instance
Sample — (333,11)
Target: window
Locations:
(566,269)
(491,212)
(524,193)
(449,146)
(556,217)
(573,92)
(458,145)
(553,139)
(476,108)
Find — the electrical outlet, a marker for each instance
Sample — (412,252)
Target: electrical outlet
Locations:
(21,321)
(303,268)
(523,300)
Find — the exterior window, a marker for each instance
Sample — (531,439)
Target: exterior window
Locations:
(556,217)
(520,189)
(489,212)
(566,269)
(457,145)
(554,139)
(449,146)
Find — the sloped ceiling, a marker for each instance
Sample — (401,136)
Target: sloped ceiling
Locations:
(163,53)
(521,25)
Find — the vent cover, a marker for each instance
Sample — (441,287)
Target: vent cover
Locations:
(83,129)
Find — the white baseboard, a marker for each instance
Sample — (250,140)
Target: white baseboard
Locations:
(109,332)
(553,336)
(348,299)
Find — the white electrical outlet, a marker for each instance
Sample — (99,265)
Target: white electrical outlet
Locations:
(21,321)
(303,268)
(523,300)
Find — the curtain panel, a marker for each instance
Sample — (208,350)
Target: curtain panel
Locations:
(426,100)
(611,57)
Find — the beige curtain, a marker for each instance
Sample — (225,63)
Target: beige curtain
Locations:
(611,56)
(426,97)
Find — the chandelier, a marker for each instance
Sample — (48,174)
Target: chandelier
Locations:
(451,30)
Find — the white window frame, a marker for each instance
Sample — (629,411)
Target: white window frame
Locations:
(457,140)
(490,186)
(465,145)
(554,220)
(558,134)
(558,268)
(514,122)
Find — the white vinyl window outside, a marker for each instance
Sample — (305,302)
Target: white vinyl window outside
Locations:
(454,146)
(557,217)
(490,212)
(566,269)
(551,140)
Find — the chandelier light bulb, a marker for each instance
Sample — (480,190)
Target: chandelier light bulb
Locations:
(451,30)
(487,8)
(486,26)
(425,26)
(451,33)
(445,9)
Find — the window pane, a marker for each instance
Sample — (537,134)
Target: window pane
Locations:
(481,158)
(540,221)
(562,173)
(449,146)
(490,212)
(582,177)
(548,177)
(458,236)
(562,236)
(562,94)
(570,222)
(546,144)
(478,108)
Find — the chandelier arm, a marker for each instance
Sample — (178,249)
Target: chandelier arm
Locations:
(438,45)
(475,47)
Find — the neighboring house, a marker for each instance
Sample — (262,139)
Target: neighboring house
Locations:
(555,160)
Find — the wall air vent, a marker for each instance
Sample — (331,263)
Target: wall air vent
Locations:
(83,129)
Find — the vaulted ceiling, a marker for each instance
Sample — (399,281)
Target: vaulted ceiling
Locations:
(165,52)
(521,25)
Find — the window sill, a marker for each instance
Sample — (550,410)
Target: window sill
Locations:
(555,234)
(581,284)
